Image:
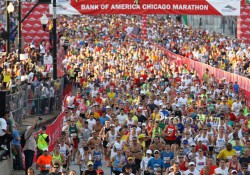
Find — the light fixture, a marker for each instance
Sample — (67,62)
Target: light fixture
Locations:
(44,20)
(10,8)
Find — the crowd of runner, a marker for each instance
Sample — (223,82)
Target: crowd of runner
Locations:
(134,110)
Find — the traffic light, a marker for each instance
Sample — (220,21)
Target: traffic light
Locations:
(44,1)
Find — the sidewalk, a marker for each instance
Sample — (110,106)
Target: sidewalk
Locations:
(46,119)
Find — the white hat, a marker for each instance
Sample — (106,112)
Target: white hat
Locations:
(156,151)
(149,151)
(108,107)
(191,163)
(144,124)
(45,149)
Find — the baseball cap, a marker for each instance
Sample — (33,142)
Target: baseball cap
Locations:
(99,171)
(149,151)
(234,171)
(191,163)
(141,136)
(156,151)
(185,142)
(45,149)
(90,163)
(130,158)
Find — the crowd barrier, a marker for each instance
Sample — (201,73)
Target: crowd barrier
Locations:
(27,99)
(242,81)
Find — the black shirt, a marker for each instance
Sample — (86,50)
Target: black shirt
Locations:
(76,70)
(133,168)
(88,172)
(152,106)
(142,118)
(170,109)
(244,159)
(178,113)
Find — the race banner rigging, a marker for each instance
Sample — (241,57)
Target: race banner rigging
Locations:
(191,7)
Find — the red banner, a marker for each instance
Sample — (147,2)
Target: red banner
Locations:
(192,7)
(31,27)
(243,31)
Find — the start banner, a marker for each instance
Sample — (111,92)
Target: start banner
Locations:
(191,7)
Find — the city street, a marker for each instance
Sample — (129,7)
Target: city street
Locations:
(72,167)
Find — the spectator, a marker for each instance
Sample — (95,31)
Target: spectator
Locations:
(16,148)
(30,145)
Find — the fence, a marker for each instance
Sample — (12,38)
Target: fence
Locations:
(36,99)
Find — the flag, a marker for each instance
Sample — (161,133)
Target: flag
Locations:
(185,19)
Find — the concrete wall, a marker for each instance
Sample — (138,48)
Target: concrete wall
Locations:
(6,166)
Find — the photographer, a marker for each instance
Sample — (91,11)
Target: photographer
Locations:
(30,145)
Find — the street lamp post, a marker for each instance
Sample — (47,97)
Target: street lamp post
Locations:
(54,42)
(9,9)
(19,29)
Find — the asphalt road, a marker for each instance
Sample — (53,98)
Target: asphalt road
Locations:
(72,167)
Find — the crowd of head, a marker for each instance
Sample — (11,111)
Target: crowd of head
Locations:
(137,111)
(223,52)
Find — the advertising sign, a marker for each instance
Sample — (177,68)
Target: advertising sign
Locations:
(191,7)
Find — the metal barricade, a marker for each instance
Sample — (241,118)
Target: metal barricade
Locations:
(40,98)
